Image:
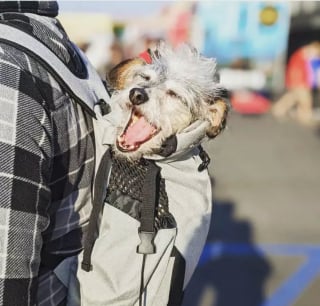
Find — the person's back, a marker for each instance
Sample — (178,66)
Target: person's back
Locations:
(47,161)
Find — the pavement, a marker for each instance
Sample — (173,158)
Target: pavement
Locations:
(263,247)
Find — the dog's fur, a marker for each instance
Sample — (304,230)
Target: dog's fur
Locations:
(161,99)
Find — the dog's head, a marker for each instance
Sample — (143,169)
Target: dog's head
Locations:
(161,99)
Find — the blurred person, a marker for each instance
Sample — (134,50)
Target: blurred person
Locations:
(301,78)
(100,52)
(181,22)
(47,154)
(116,56)
(151,41)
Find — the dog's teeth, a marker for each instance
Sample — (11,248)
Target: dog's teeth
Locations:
(135,118)
(154,131)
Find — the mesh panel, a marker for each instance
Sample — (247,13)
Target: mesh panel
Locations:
(128,177)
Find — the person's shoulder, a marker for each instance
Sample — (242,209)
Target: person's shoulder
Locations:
(24,73)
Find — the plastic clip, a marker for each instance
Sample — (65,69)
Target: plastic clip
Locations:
(205,159)
(147,245)
(104,107)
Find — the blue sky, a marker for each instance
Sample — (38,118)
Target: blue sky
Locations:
(119,9)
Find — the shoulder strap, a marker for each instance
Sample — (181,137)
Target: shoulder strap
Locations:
(99,194)
(87,92)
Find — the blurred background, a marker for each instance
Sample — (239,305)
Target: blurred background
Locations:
(263,246)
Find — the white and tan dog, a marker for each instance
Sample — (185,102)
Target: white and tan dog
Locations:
(163,98)
(158,201)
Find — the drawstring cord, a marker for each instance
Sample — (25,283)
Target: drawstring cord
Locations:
(142,279)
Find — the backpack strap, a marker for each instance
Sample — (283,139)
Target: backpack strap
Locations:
(87,92)
(150,191)
(98,201)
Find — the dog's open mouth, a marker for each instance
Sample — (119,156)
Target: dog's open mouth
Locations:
(137,132)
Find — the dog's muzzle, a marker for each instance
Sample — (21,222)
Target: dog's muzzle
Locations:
(138,96)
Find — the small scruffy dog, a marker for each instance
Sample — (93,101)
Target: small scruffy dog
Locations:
(157,206)
(163,98)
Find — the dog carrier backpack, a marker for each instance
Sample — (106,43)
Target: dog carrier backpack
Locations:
(150,218)
(148,227)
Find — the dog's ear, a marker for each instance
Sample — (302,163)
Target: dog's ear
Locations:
(121,74)
(217,115)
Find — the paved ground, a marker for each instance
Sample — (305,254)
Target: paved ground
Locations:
(264,244)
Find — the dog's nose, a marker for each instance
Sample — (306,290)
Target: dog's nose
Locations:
(138,96)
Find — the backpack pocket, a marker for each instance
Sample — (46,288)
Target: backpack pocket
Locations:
(118,270)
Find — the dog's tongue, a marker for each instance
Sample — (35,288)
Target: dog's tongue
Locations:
(138,132)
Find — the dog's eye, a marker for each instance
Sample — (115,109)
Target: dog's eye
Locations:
(172,94)
(144,76)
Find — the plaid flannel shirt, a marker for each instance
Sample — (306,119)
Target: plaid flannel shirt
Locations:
(46,165)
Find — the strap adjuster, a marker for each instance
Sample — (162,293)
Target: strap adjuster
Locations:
(86,266)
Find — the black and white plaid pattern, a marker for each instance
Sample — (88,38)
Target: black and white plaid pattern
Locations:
(46,170)
(46,8)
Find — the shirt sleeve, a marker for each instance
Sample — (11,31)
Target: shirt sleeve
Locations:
(25,163)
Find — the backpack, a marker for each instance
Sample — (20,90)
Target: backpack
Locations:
(151,227)
(149,220)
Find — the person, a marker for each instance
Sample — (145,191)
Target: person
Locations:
(301,79)
(47,154)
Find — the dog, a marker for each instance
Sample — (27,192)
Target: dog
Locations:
(161,99)
(157,206)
